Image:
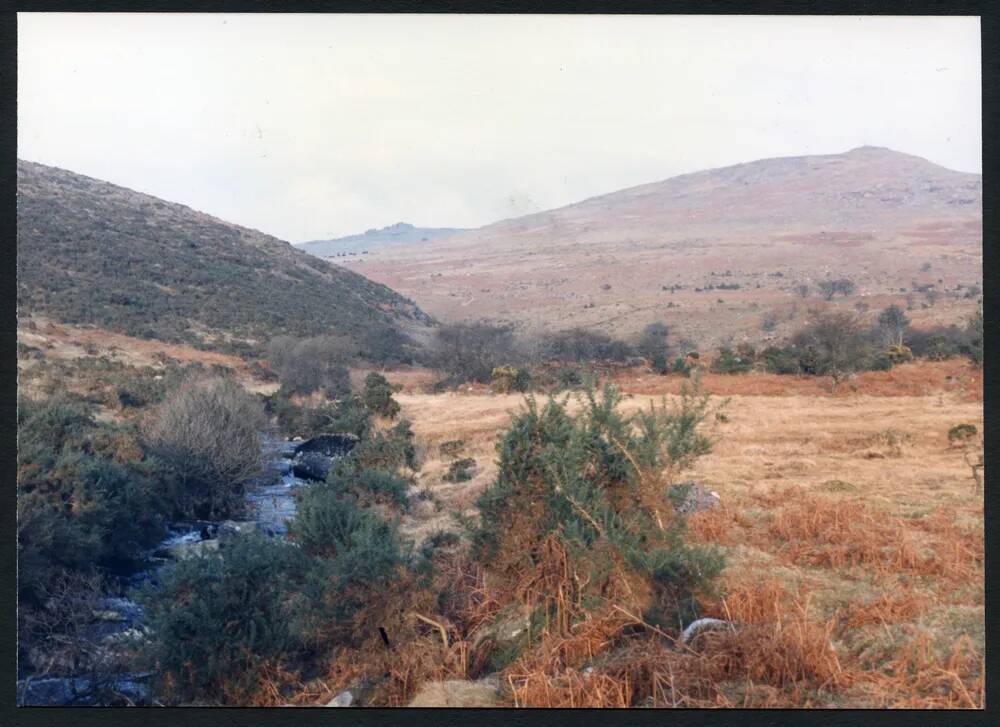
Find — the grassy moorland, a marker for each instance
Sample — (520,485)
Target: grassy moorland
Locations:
(93,253)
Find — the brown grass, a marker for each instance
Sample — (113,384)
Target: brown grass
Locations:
(853,538)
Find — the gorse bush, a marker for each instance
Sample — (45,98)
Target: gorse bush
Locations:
(206,434)
(598,483)
(86,496)
(217,622)
(377,396)
(388,450)
(368,486)
(739,361)
(507,379)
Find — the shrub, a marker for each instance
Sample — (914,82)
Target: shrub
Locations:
(386,346)
(308,364)
(829,288)
(459,471)
(681,366)
(377,396)
(216,622)
(652,345)
(961,434)
(206,433)
(579,345)
(470,351)
(505,379)
(357,558)
(387,450)
(973,346)
(892,325)
(85,495)
(595,485)
(833,344)
(739,361)
(368,486)
(780,360)
(898,354)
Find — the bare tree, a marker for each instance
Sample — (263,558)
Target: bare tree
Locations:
(305,365)
(892,325)
(470,351)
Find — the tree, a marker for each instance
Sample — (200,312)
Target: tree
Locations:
(802,290)
(832,344)
(892,325)
(206,433)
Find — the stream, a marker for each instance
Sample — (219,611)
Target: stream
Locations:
(271,503)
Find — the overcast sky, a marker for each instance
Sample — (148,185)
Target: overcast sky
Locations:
(314,126)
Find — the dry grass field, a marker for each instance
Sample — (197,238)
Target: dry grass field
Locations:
(852,529)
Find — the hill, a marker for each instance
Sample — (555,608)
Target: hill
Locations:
(93,253)
(399,233)
(893,222)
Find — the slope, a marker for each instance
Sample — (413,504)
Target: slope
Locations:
(90,252)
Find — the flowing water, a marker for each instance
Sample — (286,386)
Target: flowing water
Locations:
(270,505)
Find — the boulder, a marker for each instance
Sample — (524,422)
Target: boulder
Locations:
(328,445)
(344,699)
(229,529)
(458,693)
(312,466)
(689,497)
(184,550)
(701,626)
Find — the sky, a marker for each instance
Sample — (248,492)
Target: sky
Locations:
(317,126)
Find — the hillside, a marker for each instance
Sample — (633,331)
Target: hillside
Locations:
(894,223)
(399,233)
(93,253)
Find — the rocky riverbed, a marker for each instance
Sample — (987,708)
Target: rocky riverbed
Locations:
(117,621)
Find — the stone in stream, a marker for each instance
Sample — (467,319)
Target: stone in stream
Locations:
(314,457)
(189,549)
(312,466)
(328,445)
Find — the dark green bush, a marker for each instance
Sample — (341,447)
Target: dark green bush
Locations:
(217,621)
(377,396)
(459,471)
(367,485)
(357,558)
(388,450)
(594,480)
(779,360)
(85,495)
(729,361)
